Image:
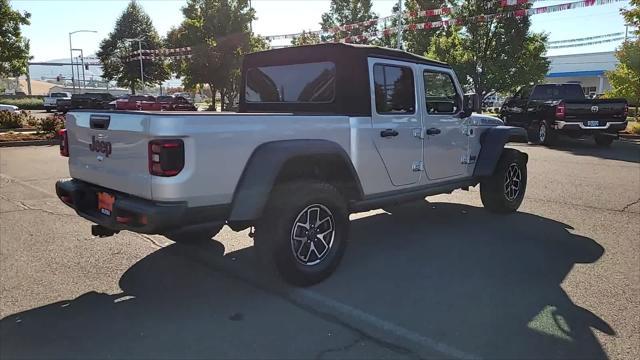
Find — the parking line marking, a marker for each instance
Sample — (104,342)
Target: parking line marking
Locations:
(313,299)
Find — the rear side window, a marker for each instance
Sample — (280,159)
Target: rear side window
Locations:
(394,89)
(441,94)
(295,83)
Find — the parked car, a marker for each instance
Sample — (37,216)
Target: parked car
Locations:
(10,108)
(175,103)
(322,131)
(136,102)
(51,101)
(549,110)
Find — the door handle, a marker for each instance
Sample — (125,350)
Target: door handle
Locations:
(433,131)
(388,133)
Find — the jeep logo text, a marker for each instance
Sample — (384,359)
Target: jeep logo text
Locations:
(100,146)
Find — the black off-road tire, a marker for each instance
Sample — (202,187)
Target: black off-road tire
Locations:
(497,192)
(291,207)
(603,141)
(542,134)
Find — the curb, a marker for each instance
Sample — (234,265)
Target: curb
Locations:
(30,143)
(630,136)
(19,130)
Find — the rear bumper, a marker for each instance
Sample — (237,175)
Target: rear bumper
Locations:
(611,127)
(136,214)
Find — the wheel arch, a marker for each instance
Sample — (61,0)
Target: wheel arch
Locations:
(280,161)
(492,143)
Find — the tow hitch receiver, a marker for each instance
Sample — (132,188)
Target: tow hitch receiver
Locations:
(101,231)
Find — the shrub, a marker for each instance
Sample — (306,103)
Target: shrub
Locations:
(50,124)
(25,103)
(10,120)
(634,128)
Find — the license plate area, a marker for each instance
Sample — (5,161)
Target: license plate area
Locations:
(593,123)
(105,203)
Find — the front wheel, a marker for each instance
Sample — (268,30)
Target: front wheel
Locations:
(303,231)
(503,191)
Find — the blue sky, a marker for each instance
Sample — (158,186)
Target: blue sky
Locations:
(51,21)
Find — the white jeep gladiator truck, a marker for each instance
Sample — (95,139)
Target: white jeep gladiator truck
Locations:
(322,131)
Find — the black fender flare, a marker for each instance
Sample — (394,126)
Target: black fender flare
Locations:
(492,143)
(265,164)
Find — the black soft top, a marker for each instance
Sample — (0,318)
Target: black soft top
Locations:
(352,75)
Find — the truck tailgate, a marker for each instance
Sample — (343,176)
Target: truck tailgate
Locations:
(110,150)
(596,109)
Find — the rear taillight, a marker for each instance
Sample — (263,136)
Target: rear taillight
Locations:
(626,111)
(560,111)
(64,142)
(166,157)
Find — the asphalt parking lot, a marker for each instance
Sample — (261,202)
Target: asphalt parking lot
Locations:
(445,279)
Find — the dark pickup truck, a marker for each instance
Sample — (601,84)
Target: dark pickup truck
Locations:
(94,101)
(548,110)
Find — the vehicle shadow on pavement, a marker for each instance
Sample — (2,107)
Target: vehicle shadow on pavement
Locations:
(621,150)
(485,284)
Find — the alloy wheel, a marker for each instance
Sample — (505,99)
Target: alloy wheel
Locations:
(512,182)
(312,234)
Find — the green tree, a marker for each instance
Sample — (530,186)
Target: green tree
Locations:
(344,12)
(498,54)
(625,79)
(218,33)
(14,49)
(417,41)
(306,38)
(115,51)
(632,15)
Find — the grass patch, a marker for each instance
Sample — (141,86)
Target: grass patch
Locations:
(634,128)
(25,104)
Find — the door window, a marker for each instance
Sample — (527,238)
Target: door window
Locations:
(441,94)
(394,89)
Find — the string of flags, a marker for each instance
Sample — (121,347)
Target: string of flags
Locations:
(616,34)
(481,18)
(185,52)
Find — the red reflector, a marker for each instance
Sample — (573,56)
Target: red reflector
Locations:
(66,199)
(64,143)
(123,219)
(143,220)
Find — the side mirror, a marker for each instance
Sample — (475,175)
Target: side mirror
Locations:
(470,104)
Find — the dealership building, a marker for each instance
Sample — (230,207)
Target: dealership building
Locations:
(588,70)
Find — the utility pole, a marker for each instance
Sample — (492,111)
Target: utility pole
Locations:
(400,24)
(71,54)
(139,40)
(73,83)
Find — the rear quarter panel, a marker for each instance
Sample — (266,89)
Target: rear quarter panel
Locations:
(218,146)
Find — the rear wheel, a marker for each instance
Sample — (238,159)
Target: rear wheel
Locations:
(503,191)
(603,140)
(542,134)
(304,231)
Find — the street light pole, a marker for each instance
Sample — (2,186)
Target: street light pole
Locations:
(73,83)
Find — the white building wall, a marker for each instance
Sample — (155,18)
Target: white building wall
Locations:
(588,70)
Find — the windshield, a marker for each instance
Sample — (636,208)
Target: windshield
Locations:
(296,83)
(165,98)
(58,94)
(557,92)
